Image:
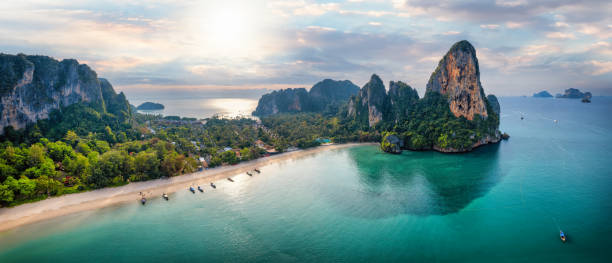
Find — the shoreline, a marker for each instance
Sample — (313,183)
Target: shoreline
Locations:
(13,217)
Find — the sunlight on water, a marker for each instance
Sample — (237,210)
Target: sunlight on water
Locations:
(233,107)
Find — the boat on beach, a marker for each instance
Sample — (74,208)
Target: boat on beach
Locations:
(257,170)
(200,189)
(249,173)
(213,185)
(230,179)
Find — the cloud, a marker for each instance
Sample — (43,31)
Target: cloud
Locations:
(513,25)
(601,67)
(490,26)
(450,33)
(298,42)
(560,35)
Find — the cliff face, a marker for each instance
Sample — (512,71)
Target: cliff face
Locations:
(330,91)
(369,104)
(458,77)
(322,95)
(494,103)
(402,99)
(284,100)
(33,86)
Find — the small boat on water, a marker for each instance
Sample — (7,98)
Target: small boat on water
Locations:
(143,200)
(230,179)
(192,189)
(257,170)
(165,196)
(213,185)
(249,173)
(200,189)
(562,236)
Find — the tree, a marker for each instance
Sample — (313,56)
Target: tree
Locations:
(83,148)
(71,138)
(59,150)
(36,155)
(6,193)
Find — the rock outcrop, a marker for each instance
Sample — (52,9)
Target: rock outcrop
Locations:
(494,103)
(324,95)
(33,86)
(391,143)
(458,77)
(370,103)
(328,91)
(284,100)
(542,94)
(402,99)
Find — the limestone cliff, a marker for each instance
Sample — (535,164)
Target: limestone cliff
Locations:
(402,99)
(369,105)
(326,95)
(284,100)
(328,92)
(494,103)
(458,77)
(32,86)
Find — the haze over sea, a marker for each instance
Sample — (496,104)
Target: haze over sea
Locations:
(502,202)
(199,104)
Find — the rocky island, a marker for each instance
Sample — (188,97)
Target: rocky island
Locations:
(575,94)
(542,94)
(454,115)
(150,106)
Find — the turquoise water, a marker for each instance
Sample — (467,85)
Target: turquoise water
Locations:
(504,203)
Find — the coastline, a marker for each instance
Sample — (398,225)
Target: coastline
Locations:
(13,217)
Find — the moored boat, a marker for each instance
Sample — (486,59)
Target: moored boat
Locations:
(249,173)
(165,196)
(200,189)
(143,200)
(257,170)
(192,189)
(213,185)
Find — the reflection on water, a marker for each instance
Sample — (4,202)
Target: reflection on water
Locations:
(232,107)
(208,107)
(419,183)
(199,103)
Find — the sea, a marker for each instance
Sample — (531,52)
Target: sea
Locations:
(195,103)
(500,203)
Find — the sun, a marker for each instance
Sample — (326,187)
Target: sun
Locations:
(227,28)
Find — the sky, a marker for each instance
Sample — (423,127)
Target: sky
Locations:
(523,46)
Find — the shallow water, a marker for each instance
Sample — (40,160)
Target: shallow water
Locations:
(502,202)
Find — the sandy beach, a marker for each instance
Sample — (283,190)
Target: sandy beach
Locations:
(67,204)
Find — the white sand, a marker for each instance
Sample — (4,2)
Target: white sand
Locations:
(67,204)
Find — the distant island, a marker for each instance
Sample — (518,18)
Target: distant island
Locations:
(542,94)
(574,94)
(150,106)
